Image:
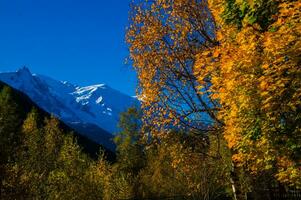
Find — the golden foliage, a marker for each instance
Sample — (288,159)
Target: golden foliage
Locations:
(256,77)
(164,37)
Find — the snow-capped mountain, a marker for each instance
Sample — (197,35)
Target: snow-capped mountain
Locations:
(80,107)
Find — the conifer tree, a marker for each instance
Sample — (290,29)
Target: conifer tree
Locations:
(130,154)
(53,137)
(69,177)
(33,159)
(10,141)
(129,147)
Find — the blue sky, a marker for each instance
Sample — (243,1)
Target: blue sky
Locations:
(81,41)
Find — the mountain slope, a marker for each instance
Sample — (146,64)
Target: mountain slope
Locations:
(25,105)
(94,108)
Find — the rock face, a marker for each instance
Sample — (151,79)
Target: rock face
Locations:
(91,110)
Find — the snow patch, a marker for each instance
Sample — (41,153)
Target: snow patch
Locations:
(99,100)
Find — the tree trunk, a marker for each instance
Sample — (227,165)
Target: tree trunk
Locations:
(236,188)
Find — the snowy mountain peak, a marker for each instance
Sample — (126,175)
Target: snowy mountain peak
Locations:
(24,71)
(97,104)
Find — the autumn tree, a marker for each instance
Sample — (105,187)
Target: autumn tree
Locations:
(255,76)
(129,147)
(53,141)
(130,152)
(164,37)
(53,166)
(70,176)
(280,87)
(178,168)
(32,158)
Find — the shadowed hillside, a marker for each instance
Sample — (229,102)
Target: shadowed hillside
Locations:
(26,105)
